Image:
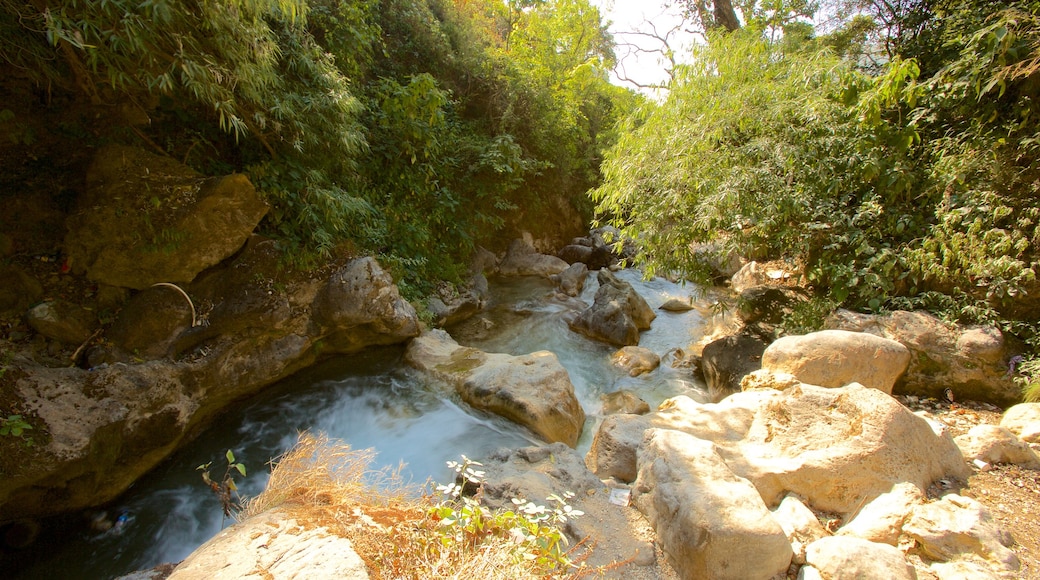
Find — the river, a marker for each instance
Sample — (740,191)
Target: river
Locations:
(369,400)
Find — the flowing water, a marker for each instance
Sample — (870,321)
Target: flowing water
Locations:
(370,399)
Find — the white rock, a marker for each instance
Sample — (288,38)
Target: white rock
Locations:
(708,520)
(994,444)
(840,448)
(800,524)
(277,544)
(834,358)
(957,526)
(962,570)
(849,558)
(882,519)
(1024,421)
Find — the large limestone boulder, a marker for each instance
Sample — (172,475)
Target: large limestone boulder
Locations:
(532,390)
(834,358)
(617,315)
(957,526)
(523,260)
(451,305)
(1024,421)
(840,448)
(146,219)
(971,361)
(849,558)
(995,444)
(707,518)
(277,544)
(726,361)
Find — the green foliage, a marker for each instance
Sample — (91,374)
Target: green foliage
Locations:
(14,426)
(534,530)
(1029,379)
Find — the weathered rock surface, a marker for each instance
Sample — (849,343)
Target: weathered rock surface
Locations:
(617,315)
(451,305)
(758,274)
(110,425)
(995,444)
(62,321)
(957,526)
(763,308)
(834,358)
(848,558)
(279,546)
(726,361)
(676,305)
(800,525)
(623,402)
(635,360)
(150,324)
(571,281)
(532,390)
(881,519)
(706,517)
(972,361)
(146,219)
(523,260)
(1024,421)
(535,473)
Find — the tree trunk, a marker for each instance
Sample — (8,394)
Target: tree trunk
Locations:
(725,15)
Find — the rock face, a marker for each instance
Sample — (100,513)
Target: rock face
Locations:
(957,526)
(706,517)
(19,290)
(146,219)
(833,358)
(533,390)
(624,402)
(450,306)
(278,545)
(851,451)
(617,315)
(848,557)
(762,308)
(62,321)
(727,360)
(523,260)
(110,425)
(972,362)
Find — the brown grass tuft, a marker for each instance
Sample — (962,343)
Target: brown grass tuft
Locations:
(327,484)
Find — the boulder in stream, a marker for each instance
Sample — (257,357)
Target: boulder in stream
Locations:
(617,315)
(533,390)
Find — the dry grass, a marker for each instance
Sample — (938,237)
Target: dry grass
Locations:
(327,484)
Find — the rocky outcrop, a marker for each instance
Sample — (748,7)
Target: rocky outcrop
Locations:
(759,274)
(705,515)
(617,315)
(973,362)
(956,527)
(62,321)
(523,260)
(146,219)
(727,360)
(852,453)
(623,402)
(109,425)
(833,358)
(848,557)
(763,308)
(278,545)
(533,390)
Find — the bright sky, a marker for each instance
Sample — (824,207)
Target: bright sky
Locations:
(633,24)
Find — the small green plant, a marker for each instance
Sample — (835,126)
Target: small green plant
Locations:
(226,486)
(15,426)
(533,529)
